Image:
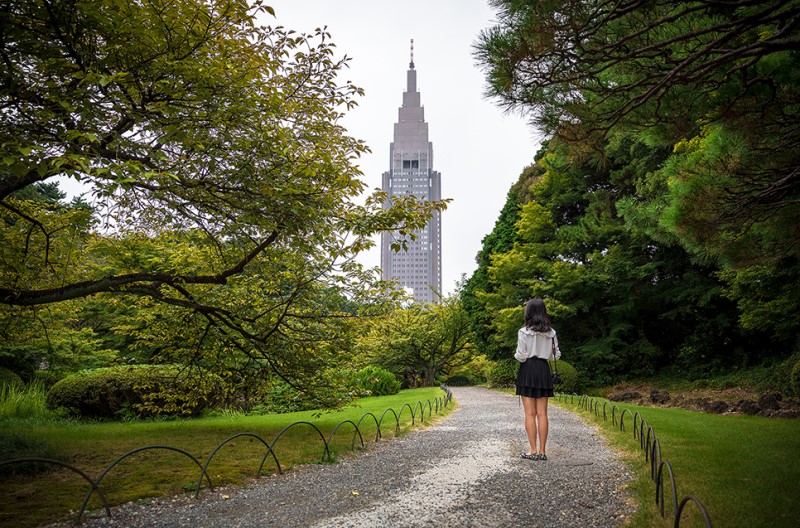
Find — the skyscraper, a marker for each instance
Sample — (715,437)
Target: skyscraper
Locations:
(411,172)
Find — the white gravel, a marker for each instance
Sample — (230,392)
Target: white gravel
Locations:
(465,471)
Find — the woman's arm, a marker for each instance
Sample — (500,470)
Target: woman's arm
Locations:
(558,350)
(521,354)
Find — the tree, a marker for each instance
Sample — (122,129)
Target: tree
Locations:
(624,303)
(222,177)
(717,80)
(421,340)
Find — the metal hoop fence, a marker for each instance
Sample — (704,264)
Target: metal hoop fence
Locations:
(650,445)
(417,410)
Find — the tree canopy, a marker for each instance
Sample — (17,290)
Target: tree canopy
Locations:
(224,187)
(660,217)
(717,81)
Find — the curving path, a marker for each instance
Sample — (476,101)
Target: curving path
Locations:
(466,471)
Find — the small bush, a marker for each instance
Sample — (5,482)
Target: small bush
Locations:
(140,390)
(378,381)
(503,373)
(10,378)
(48,377)
(569,377)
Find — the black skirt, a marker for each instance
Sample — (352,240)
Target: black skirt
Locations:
(534,379)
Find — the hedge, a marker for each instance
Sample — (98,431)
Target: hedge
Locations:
(140,390)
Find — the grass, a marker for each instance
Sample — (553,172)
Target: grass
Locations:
(27,500)
(23,402)
(744,469)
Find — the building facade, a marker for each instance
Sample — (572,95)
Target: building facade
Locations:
(411,172)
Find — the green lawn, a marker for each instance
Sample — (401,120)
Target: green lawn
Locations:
(91,447)
(745,469)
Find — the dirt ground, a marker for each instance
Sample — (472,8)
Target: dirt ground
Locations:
(717,401)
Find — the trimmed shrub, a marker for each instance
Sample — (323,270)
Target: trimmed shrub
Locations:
(503,373)
(142,390)
(9,377)
(569,377)
(48,377)
(378,381)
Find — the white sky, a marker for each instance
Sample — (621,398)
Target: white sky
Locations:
(479,150)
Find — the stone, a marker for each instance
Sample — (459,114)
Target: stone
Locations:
(659,396)
(716,407)
(625,396)
(746,407)
(770,402)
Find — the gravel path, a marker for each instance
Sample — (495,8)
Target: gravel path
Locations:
(465,471)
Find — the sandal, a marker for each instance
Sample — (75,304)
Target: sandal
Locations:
(541,457)
(530,456)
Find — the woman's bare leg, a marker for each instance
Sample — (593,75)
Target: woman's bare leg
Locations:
(529,405)
(540,411)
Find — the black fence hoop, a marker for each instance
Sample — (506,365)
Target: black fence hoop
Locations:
(72,468)
(651,445)
(696,501)
(353,445)
(219,446)
(134,452)
(440,403)
(660,487)
(377,425)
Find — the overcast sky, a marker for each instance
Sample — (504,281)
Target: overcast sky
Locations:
(479,150)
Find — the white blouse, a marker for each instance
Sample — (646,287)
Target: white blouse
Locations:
(531,343)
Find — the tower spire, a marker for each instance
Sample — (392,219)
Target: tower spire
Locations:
(411,64)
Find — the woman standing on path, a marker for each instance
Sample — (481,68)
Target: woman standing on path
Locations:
(536,342)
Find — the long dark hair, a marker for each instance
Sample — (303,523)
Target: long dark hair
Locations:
(536,318)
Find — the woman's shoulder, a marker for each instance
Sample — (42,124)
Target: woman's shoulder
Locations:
(528,331)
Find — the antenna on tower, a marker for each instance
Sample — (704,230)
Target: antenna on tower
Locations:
(411,64)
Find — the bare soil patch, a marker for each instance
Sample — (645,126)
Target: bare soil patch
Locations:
(717,401)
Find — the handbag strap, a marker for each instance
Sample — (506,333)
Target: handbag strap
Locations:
(555,359)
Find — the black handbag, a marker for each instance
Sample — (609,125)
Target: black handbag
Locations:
(556,377)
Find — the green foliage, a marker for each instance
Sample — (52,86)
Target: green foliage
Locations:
(283,398)
(378,381)
(141,390)
(420,342)
(228,218)
(23,401)
(660,220)
(501,239)
(10,378)
(503,372)
(47,378)
(477,370)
